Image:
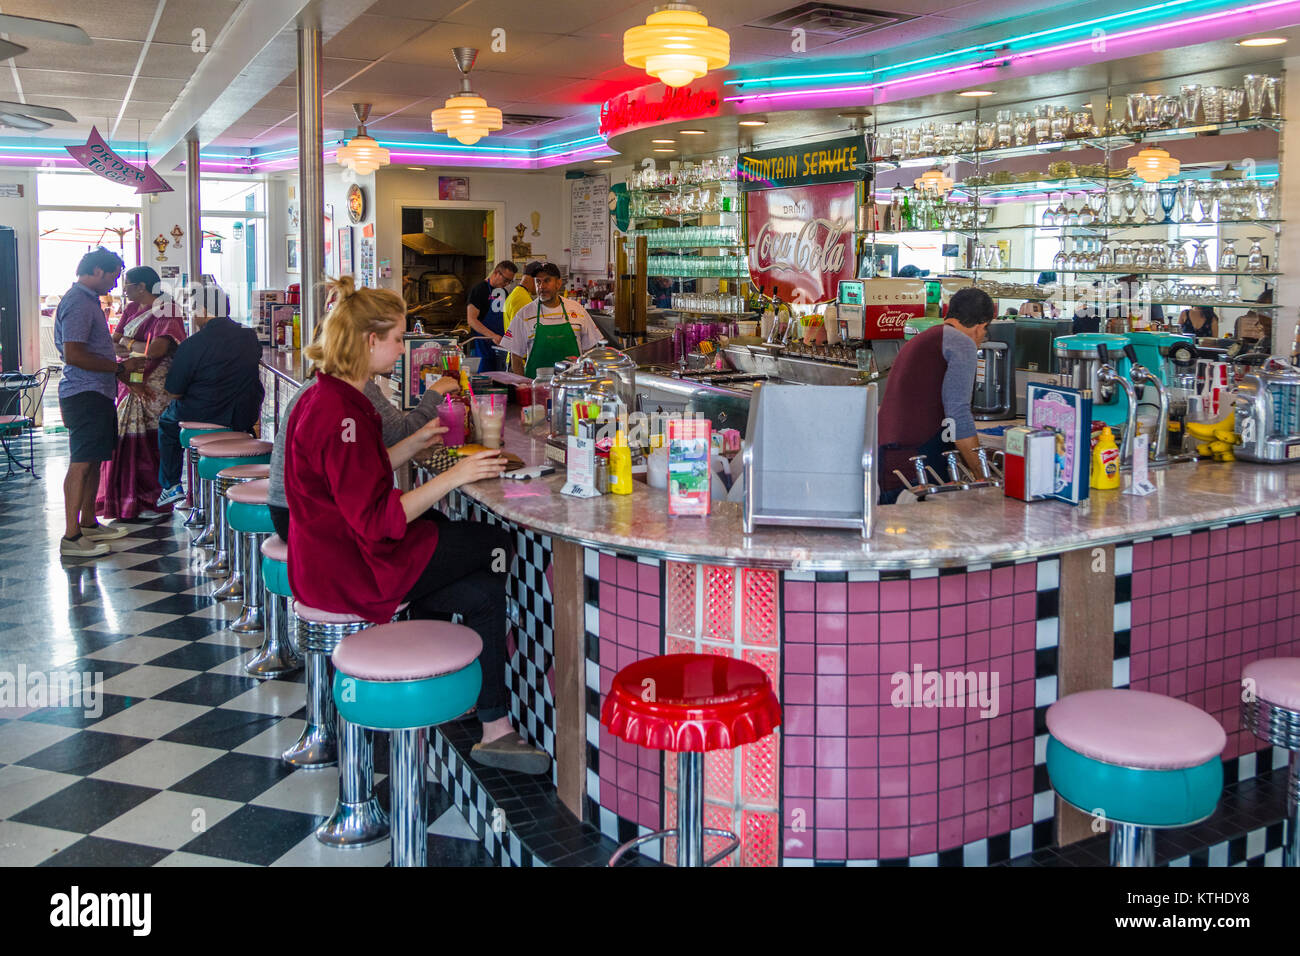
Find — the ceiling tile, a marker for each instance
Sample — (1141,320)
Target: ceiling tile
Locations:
(37,82)
(370,37)
(170,60)
(435,46)
(570,15)
(423,10)
(283,98)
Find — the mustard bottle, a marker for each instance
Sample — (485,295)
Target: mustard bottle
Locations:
(620,465)
(1105,462)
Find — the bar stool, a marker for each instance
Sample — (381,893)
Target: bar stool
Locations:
(1146,761)
(404,678)
(1272,713)
(250,523)
(277,655)
(228,479)
(197,515)
(328,739)
(215,457)
(207,533)
(697,702)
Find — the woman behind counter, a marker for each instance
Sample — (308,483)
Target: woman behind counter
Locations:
(357,545)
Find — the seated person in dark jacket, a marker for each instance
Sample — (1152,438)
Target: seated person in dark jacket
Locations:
(215,377)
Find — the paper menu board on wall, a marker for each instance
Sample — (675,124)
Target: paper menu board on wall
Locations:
(589,224)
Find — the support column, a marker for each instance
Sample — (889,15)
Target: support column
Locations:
(311,185)
(570,675)
(1287,293)
(193,212)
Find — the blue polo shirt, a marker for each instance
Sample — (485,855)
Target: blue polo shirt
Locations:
(80,318)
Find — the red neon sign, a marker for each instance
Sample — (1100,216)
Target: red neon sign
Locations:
(637,109)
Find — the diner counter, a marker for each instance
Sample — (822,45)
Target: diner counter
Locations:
(974,527)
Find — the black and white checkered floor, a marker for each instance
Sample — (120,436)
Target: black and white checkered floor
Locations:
(177,761)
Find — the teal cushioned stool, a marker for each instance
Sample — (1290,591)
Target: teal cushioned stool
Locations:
(277,656)
(214,458)
(197,516)
(1143,760)
(250,522)
(404,678)
(1270,709)
(205,532)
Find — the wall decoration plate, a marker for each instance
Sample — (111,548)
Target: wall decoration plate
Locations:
(356,203)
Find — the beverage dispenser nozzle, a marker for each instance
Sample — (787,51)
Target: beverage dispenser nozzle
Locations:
(1109,377)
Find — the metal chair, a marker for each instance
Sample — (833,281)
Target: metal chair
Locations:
(20,396)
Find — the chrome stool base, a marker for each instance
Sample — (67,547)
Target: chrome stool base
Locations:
(409,790)
(249,547)
(1280,726)
(277,656)
(207,538)
(358,819)
(317,748)
(232,588)
(690,830)
(1132,845)
(249,622)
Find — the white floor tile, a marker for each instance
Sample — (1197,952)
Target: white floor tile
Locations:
(452,824)
(137,650)
(20,739)
(123,602)
(127,579)
(146,680)
(22,844)
(304,791)
(311,852)
(151,718)
(194,859)
(269,697)
(131,622)
(274,741)
(21,787)
(168,820)
(159,763)
(231,639)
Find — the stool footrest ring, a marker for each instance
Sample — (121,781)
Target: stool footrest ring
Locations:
(733,845)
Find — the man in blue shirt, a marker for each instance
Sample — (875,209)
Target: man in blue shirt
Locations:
(215,376)
(87,399)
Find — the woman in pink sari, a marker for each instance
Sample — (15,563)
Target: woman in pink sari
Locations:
(152,325)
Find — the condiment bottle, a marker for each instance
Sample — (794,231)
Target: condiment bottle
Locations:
(620,465)
(1105,462)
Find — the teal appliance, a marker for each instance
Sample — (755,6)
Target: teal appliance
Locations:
(1166,354)
(1080,357)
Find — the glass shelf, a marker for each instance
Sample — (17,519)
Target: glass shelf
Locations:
(680,187)
(1118,141)
(1136,270)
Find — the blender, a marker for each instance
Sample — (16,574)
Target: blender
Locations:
(1080,358)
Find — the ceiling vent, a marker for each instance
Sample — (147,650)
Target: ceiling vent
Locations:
(525,119)
(830,21)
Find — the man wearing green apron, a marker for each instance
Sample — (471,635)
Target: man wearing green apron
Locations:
(550,329)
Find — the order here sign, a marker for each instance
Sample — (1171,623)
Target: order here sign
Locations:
(828,161)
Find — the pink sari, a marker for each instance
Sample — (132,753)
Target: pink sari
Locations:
(129,483)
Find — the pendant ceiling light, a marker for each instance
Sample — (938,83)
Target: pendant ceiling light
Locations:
(676,45)
(934,181)
(466,117)
(1153,165)
(361,154)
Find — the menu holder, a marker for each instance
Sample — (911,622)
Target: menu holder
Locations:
(807,457)
(1067,412)
(422,364)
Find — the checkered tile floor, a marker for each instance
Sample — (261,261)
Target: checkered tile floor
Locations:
(180,765)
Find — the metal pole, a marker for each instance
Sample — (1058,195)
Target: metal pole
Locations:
(193,212)
(311,186)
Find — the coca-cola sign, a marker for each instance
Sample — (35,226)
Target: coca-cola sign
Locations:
(801,239)
(888,304)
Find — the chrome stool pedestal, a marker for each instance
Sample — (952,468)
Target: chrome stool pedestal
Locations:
(277,656)
(197,517)
(249,548)
(1280,726)
(690,830)
(358,819)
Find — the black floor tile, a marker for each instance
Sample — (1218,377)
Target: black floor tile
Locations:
(257,835)
(187,628)
(84,752)
(221,729)
(164,564)
(444,851)
(239,777)
(93,851)
(198,657)
(211,690)
(108,704)
(177,603)
(85,806)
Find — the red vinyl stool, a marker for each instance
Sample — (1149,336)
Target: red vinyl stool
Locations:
(687,704)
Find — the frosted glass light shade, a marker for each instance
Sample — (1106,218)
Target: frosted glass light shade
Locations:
(466,119)
(362,155)
(676,46)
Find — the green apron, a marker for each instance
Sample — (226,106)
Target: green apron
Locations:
(551,343)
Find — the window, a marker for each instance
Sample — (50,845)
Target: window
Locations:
(234,239)
(83,189)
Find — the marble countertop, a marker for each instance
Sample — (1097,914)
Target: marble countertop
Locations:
(286,363)
(950,530)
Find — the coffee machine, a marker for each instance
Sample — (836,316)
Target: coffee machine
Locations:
(995,373)
(1080,357)
(1268,413)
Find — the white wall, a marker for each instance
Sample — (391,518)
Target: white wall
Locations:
(160,215)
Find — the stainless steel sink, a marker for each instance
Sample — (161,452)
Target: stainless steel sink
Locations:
(767,360)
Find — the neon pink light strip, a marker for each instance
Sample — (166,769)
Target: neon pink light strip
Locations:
(1073,44)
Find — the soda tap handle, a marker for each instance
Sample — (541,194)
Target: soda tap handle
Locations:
(954,469)
(1104,353)
(918,462)
(982,454)
(1132,354)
